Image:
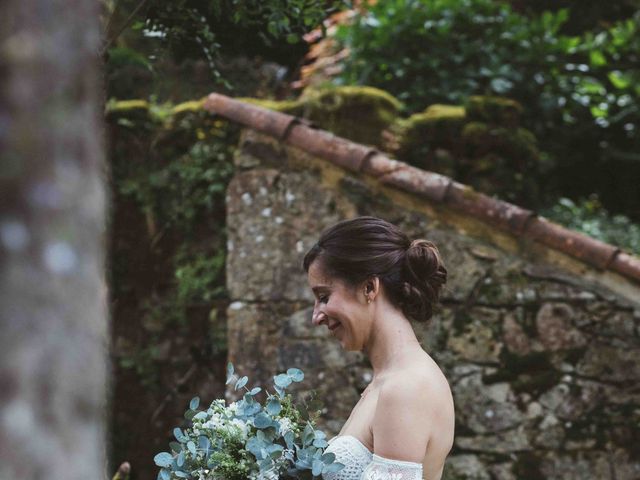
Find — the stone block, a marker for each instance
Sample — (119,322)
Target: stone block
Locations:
(270,229)
(467,467)
(555,328)
(477,340)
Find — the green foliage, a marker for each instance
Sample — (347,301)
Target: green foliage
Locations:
(583,14)
(427,51)
(580,93)
(207,29)
(170,167)
(589,216)
(248,440)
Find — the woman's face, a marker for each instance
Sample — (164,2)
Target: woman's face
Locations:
(340,308)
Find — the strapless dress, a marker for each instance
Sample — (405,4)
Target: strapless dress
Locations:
(362,464)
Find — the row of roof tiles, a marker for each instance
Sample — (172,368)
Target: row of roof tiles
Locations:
(429,185)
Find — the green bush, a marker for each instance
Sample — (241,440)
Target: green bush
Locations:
(442,51)
(587,215)
(580,95)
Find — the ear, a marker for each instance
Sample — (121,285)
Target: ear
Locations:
(371,288)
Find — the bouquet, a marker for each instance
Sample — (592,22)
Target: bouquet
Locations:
(248,441)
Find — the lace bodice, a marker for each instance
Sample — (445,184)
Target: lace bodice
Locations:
(361,464)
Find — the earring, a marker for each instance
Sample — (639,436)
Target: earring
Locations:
(368,299)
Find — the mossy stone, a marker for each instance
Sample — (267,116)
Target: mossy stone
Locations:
(360,114)
(495,110)
(439,126)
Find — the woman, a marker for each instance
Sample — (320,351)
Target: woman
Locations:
(369,280)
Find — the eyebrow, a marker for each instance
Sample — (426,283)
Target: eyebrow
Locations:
(320,287)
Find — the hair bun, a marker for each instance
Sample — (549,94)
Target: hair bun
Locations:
(424,275)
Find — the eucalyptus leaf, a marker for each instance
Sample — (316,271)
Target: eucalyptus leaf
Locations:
(289,438)
(255,391)
(163,459)
(317,467)
(320,443)
(164,474)
(204,444)
(334,467)
(191,447)
(193,404)
(180,436)
(241,382)
(296,374)
(262,420)
(273,406)
(282,380)
(328,457)
(200,416)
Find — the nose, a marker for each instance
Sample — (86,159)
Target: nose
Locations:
(318,316)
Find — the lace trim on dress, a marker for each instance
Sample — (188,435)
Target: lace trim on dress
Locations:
(382,468)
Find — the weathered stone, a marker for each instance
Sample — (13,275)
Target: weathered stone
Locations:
(610,363)
(503,441)
(299,326)
(555,329)
(467,467)
(276,232)
(485,408)
(515,339)
(542,365)
(550,433)
(477,341)
(255,328)
(624,466)
(576,466)
(502,471)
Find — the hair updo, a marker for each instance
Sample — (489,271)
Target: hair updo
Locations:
(412,272)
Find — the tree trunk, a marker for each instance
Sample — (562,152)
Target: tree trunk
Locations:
(53,317)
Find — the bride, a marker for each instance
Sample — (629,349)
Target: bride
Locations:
(369,279)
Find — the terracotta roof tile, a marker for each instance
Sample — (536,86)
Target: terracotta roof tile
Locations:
(496,212)
(419,182)
(435,187)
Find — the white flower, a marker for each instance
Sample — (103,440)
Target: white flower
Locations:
(241,426)
(285,425)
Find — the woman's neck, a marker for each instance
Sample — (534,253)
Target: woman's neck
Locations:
(392,340)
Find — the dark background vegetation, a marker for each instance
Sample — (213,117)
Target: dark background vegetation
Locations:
(571,65)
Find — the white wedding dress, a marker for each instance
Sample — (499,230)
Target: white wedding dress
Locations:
(361,464)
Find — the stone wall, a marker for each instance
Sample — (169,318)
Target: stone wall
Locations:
(542,356)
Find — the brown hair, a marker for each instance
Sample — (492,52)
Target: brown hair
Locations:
(412,272)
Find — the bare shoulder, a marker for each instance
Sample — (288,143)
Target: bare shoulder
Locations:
(414,405)
(422,376)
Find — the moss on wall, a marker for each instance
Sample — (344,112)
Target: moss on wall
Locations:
(170,165)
